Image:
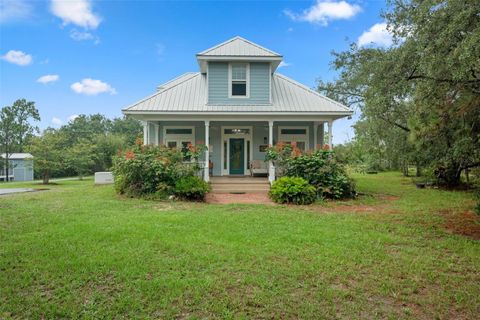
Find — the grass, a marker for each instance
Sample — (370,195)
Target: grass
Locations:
(80,251)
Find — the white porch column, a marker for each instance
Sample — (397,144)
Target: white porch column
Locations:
(330,134)
(156,126)
(271,168)
(145,132)
(315,135)
(206,175)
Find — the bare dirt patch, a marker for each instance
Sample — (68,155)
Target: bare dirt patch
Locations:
(464,223)
(246,198)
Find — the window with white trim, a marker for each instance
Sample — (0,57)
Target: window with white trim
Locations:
(296,135)
(179,138)
(239,80)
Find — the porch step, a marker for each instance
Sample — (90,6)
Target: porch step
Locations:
(240,188)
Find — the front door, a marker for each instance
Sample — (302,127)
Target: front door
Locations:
(237,156)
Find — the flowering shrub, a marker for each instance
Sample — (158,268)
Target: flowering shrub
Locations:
(149,171)
(320,168)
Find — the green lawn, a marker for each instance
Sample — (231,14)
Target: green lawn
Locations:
(80,251)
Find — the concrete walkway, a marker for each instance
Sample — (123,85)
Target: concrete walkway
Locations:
(15,190)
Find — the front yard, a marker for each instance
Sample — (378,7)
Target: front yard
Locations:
(80,251)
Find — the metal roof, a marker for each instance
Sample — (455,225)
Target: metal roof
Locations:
(188,93)
(239,47)
(17,156)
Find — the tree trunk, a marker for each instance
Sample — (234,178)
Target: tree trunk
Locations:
(419,171)
(46,178)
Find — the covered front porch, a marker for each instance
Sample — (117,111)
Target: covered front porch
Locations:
(236,147)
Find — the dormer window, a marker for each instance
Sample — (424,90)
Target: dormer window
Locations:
(239,76)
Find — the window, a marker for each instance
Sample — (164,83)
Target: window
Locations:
(293,131)
(179,131)
(179,138)
(239,80)
(297,135)
(236,131)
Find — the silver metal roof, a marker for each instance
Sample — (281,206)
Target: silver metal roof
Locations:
(239,47)
(188,93)
(17,156)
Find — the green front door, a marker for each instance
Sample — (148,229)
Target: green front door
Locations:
(237,156)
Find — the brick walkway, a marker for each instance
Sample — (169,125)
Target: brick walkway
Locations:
(247,198)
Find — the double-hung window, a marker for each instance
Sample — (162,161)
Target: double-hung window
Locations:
(239,80)
(179,138)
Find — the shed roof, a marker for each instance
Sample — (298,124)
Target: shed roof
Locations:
(187,93)
(17,156)
(239,47)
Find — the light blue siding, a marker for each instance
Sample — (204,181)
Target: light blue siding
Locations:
(22,170)
(259,85)
(260,136)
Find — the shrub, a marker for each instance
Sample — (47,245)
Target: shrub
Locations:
(191,188)
(321,169)
(148,170)
(292,190)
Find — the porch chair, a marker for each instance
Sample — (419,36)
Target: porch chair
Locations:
(258,167)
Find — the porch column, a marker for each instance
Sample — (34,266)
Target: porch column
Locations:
(206,175)
(271,168)
(156,126)
(145,132)
(330,134)
(315,135)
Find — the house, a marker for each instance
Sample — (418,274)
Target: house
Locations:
(20,167)
(240,105)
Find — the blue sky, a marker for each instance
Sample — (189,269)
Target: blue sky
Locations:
(83,57)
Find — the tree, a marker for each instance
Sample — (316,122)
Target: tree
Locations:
(47,153)
(128,127)
(16,127)
(420,98)
(81,158)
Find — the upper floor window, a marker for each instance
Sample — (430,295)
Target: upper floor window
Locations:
(239,80)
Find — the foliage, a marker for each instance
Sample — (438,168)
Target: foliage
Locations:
(16,127)
(420,98)
(321,169)
(48,154)
(191,188)
(111,253)
(145,170)
(80,158)
(294,190)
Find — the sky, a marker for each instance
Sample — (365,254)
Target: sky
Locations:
(86,56)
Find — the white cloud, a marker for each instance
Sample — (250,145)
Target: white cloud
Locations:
(17,57)
(324,11)
(92,87)
(12,10)
(82,36)
(284,64)
(77,12)
(57,121)
(73,117)
(48,78)
(377,35)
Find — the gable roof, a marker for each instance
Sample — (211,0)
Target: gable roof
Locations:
(238,47)
(17,156)
(188,93)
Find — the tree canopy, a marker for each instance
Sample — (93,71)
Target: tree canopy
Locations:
(420,98)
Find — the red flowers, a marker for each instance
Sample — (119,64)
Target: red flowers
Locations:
(129,155)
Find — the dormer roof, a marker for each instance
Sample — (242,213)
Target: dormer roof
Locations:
(238,49)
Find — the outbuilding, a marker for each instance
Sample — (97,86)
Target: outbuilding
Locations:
(20,167)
